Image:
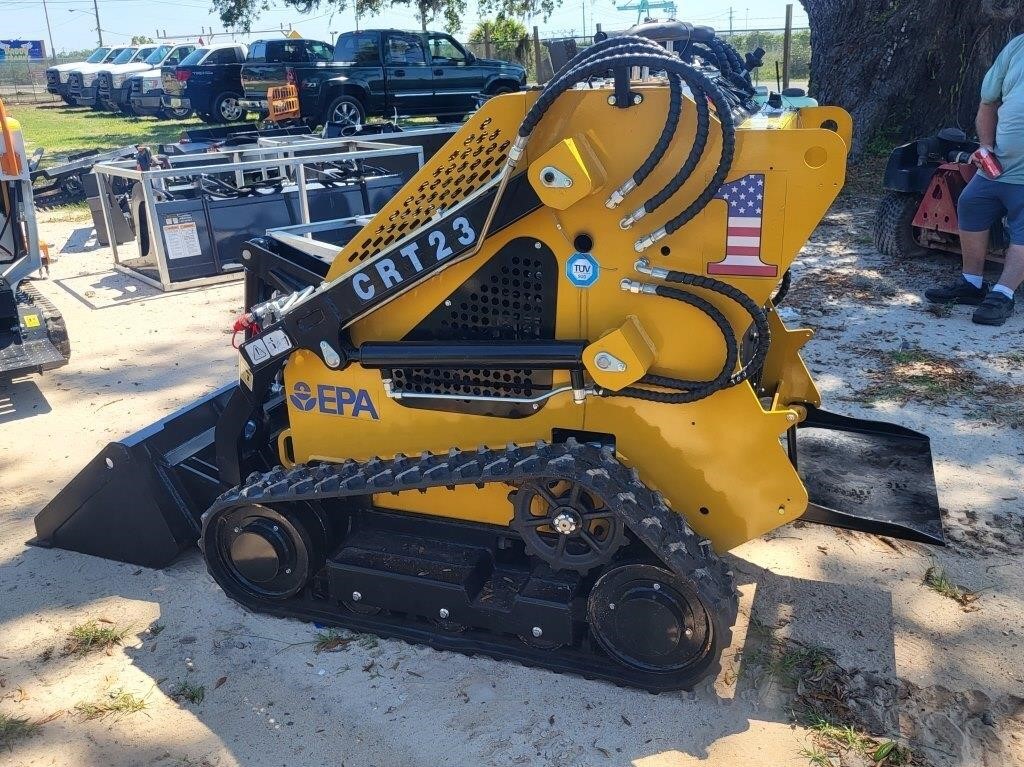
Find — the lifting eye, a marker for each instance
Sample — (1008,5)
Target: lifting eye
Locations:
(553,178)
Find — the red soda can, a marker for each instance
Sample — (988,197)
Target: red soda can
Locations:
(988,162)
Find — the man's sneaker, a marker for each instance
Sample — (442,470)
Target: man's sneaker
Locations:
(994,310)
(960,292)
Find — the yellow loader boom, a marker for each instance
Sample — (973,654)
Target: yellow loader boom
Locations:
(535,398)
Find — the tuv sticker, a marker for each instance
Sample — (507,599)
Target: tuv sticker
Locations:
(582,270)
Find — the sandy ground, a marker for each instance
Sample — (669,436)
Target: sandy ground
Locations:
(951,677)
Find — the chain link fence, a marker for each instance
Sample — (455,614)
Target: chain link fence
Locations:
(554,51)
(23,81)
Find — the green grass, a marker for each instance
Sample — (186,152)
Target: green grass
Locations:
(186,690)
(832,742)
(331,641)
(13,729)
(61,129)
(936,579)
(91,636)
(117,703)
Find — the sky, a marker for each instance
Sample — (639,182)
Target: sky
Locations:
(73,24)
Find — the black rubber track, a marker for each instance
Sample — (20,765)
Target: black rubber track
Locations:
(643,511)
(55,325)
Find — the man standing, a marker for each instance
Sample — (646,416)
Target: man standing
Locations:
(987,199)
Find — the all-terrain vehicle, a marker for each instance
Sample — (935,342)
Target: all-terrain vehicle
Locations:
(923,183)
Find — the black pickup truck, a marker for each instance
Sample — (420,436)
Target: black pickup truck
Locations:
(208,81)
(377,72)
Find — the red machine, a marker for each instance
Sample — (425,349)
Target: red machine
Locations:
(923,182)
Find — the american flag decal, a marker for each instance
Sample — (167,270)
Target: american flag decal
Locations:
(745,200)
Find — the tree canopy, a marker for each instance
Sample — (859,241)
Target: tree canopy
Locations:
(904,69)
(240,14)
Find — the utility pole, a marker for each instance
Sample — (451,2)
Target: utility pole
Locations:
(730,19)
(49,33)
(787,45)
(99,32)
(583,7)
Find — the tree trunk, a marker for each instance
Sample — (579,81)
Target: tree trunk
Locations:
(904,68)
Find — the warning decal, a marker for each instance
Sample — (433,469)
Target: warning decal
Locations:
(181,239)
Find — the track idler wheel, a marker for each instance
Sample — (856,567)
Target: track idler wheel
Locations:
(566,526)
(650,619)
(261,552)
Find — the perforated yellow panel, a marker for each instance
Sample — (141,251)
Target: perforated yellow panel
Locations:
(480,149)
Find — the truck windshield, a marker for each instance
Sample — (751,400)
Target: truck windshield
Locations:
(142,54)
(125,56)
(194,58)
(158,55)
(114,54)
(97,56)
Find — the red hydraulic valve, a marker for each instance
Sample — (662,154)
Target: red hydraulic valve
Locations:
(246,321)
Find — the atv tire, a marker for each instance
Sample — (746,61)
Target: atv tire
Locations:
(894,226)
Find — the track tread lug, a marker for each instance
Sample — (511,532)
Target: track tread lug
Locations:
(644,511)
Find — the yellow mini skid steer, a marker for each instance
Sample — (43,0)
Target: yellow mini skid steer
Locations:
(526,409)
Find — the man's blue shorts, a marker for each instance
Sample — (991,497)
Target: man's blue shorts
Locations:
(984,202)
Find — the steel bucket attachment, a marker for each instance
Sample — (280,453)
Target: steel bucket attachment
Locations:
(868,475)
(140,500)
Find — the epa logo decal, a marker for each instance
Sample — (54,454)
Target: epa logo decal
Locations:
(333,400)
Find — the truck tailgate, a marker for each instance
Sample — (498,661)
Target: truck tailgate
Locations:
(172,86)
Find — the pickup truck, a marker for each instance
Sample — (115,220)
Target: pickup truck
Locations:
(57,76)
(112,90)
(377,72)
(83,81)
(207,81)
(77,75)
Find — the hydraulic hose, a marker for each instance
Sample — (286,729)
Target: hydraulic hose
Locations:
(672,65)
(684,391)
(784,286)
(675,109)
(757,315)
(631,44)
(617,54)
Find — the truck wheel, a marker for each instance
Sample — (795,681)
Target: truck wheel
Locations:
(175,114)
(226,108)
(894,226)
(345,110)
(503,89)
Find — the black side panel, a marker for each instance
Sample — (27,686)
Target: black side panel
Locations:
(904,174)
(510,298)
(868,475)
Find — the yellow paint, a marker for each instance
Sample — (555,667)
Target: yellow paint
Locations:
(574,158)
(629,345)
(718,461)
(785,375)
